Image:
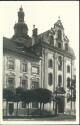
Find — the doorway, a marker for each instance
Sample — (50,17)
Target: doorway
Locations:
(11,108)
(61,102)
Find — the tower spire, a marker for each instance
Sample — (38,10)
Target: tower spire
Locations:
(20,28)
(21,15)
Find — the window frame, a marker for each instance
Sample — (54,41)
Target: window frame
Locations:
(37,67)
(59,80)
(68,82)
(10,66)
(22,64)
(21,84)
(50,63)
(68,68)
(50,79)
(59,63)
(34,83)
(8,84)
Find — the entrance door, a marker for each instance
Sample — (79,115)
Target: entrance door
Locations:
(34,86)
(61,104)
(11,108)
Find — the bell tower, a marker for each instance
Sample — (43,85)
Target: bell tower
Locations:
(20,28)
(21,15)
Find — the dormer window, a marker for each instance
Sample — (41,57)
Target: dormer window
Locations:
(59,34)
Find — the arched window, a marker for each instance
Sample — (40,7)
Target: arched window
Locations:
(59,63)
(50,63)
(50,79)
(59,35)
(59,80)
(68,82)
(68,69)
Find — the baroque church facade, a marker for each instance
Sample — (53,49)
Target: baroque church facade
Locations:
(42,61)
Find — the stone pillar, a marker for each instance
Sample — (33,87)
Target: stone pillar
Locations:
(64,81)
(45,68)
(64,72)
(55,68)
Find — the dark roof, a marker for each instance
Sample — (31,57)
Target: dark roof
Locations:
(19,48)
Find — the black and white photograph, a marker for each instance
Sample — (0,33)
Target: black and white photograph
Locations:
(39,62)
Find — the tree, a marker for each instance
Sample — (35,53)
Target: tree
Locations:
(8,95)
(26,97)
(18,96)
(42,95)
(72,95)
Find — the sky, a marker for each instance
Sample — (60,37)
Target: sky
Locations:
(43,14)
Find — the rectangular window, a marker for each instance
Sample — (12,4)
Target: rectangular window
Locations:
(50,63)
(11,82)
(34,84)
(68,69)
(35,70)
(11,64)
(24,83)
(24,67)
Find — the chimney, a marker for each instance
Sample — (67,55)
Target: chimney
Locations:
(34,35)
(34,31)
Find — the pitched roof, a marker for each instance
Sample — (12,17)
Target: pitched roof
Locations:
(17,47)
